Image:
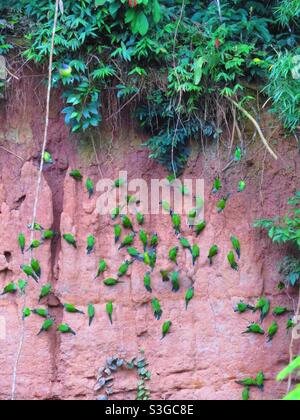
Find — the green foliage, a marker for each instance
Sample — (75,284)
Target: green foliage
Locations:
(290,269)
(293,367)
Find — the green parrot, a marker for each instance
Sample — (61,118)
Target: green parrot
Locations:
(195,253)
(290,324)
(48,235)
(175,280)
(22,242)
(146,258)
(110,282)
(144,239)
(134,253)
(247,382)
(200,227)
(45,291)
(171,178)
(36,226)
(140,218)
(154,241)
(26,313)
(260,380)
(116,213)
(34,245)
(127,223)
(91,313)
(48,158)
(238,154)
(214,250)
(184,190)
(217,185)
(22,284)
(119,183)
(241,186)
(90,187)
(176,220)
(156,308)
(124,268)
(260,304)
(242,307)
(90,244)
(118,233)
(109,310)
(246,394)
(281,286)
(191,217)
(236,245)
(272,331)
(279,310)
(35,265)
(70,240)
(265,310)
(46,326)
(190,293)
(131,199)
(29,272)
(221,205)
(173,254)
(147,282)
(72,310)
(76,174)
(65,329)
(185,244)
(165,275)
(43,313)
(153,259)
(101,268)
(166,206)
(254,329)
(232,262)
(11,288)
(166,328)
(127,241)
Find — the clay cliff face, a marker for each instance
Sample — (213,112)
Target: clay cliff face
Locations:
(205,353)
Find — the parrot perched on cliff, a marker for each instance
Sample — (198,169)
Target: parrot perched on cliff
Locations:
(147,282)
(109,310)
(154,241)
(127,223)
(29,272)
(91,313)
(272,331)
(110,282)
(45,291)
(214,250)
(46,326)
(90,187)
(254,329)
(140,218)
(76,174)
(48,158)
(90,244)
(195,253)
(119,183)
(65,329)
(22,242)
(72,309)
(22,284)
(10,288)
(260,380)
(118,233)
(101,268)
(184,190)
(241,186)
(280,310)
(156,308)
(70,240)
(246,394)
(232,262)
(176,220)
(124,268)
(144,239)
(34,245)
(247,382)
(36,226)
(221,204)
(26,313)
(173,254)
(166,328)
(192,217)
(238,154)
(127,241)
(165,275)
(43,313)
(189,296)
(166,206)
(48,235)
(185,244)
(115,213)
(175,280)
(35,265)
(153,259)
(290,324)
(217,185)
(236,245)
(134,253)
(242,307)
(200,227)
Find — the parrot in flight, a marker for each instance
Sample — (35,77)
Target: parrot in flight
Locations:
(173,254)
(147,282)
(200,227)
(175,280)
(166,328)
(72,309)
(29,272)
(118,233)
(22,242)
(217,185)
(90,244)
(195,253)
(236,245)
(214,250)
(46,326)
(254,329)
(45,291)
(91,313)
(76,174)
(11,288)
(272,331)
(90,187)
(156,308)
(232,262)
(127,241)
(101,268)
(70,240)
(65,329)
(109,310)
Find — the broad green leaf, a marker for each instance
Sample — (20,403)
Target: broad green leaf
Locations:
(289,369)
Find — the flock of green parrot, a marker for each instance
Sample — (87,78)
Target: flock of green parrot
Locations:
(148,257)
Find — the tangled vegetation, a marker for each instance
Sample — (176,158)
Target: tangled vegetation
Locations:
(176,62)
